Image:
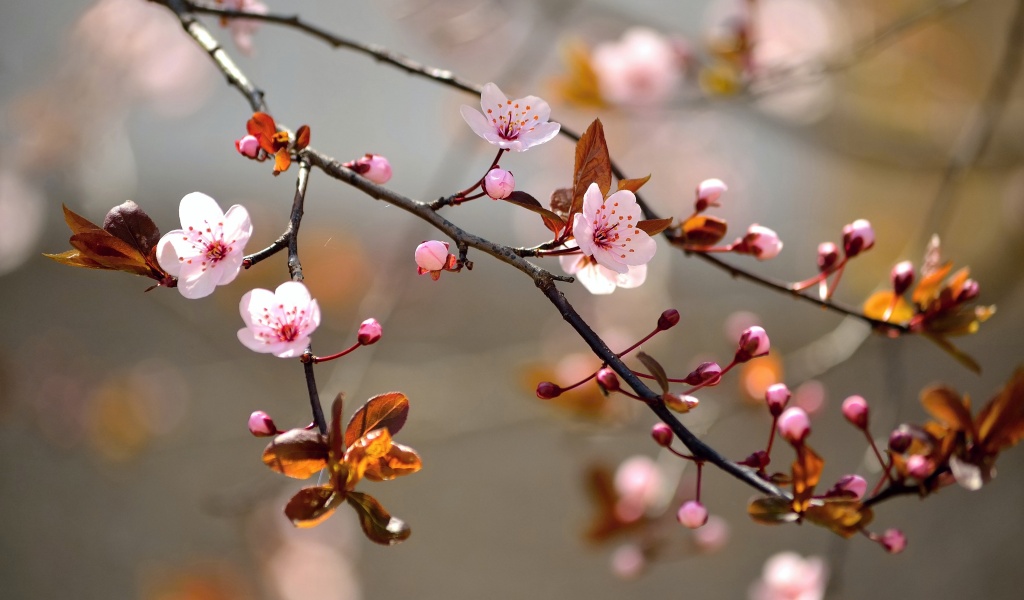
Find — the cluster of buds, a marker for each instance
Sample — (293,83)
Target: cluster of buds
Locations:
(699,232)
(858,237)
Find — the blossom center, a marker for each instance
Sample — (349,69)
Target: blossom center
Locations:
(217,250)
(287,332)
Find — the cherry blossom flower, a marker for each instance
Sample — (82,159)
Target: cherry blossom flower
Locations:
(641,69)
(278,322)
(499,184)
(242,29)
(789,576)
(207,251)
(606,230)
(599,279)
(511,124)
(640,485)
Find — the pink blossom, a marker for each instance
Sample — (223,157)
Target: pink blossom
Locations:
(692,514)
(511,124)
(777,396)
(499,183)
(242,29)
(794,425)
(607,231)
(432,255)
(600,280)
(640,485)
(754,342)
(760,241)
(369,332)
(713,535)
(858,237)
(920,466)
(708,193)
(852,484)
(248,146)
(788,576)
(641,69)
(628,561)
(261,425)
(894,541)
(278,322)
(855,410)
(207,251)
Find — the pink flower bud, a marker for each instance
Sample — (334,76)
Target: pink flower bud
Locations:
(706,373)
(628,561)
(919,466)
(431,256)
(369,332)
(893,541)
(248,146)
(692,514)
(754,342)
(902,277)
(852,484)
(680,404)
(499,183)
(608,379)
(547,390)
(762,242)
(900,439)
(668,319)
(855,409)
(261,425)
(858,237)
(708,193)
(794,425)
(662,435)
(828,255)
(777,396)
(374,167)
(968,292)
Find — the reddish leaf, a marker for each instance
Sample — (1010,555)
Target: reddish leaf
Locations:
(806,473)
(593,165)
(298,453)
(656,369)
(377,523)
(111,252)
(561,202)
(312,505)
(703,230)
(263,127)
(400,460)
(654,226)
(633,185)
(551,219)
(887,306)
(844,517)
(77,223)
(131,224)
(771,510)
(282,160)
(947,407)
(363,453)
(302,137)
(1001,422)
(930,284)
(388,410)
(74,258)
(335,437)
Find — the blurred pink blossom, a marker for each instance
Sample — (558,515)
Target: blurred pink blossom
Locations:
(789,576)
(641,69)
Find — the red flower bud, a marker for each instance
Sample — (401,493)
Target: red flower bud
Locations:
(608,379)
(261,425)
(902,277)
(668,319)
(855,409)
(369,332)
(662,435)
(547,390)
(828,255)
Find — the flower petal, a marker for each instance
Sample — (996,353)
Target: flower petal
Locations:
(197,207)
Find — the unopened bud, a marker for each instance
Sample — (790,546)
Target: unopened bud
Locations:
(855,410)
(969,291)
(777,396)
(374,167)
(794,425)
(692,514)
(893,541)
(369,332)
(668,319)
(900,440)
(858,237)
(902,277)
(828,255)
(754,342)
(854,485)
(261,425)
(547,390)
(762,242)
(706,373)
(499,183)
(708,193)
(920,466)
(662,435)
(680,404)
(431,256)
(248,146)
(608,379)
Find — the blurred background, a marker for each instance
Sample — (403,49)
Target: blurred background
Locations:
(127,470)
